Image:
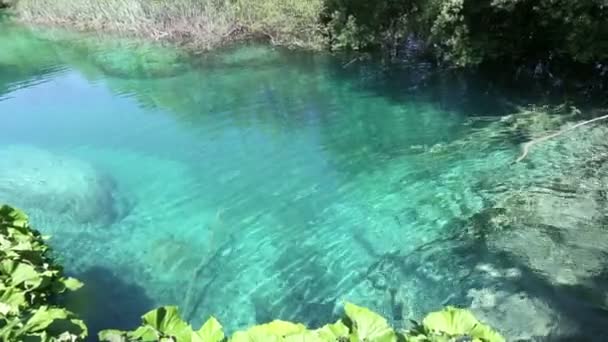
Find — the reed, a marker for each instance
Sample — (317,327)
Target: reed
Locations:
(202,23)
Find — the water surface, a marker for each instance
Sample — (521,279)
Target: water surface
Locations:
(254,183)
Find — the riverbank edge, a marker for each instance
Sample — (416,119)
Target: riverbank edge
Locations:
(182,31)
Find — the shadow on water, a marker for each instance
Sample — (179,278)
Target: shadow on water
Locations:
(463,270)
(582,305)
(107,302)
(493,88)
(578,310)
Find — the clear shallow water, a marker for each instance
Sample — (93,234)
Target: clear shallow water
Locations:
(255,183)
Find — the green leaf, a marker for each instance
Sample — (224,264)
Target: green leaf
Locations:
(167,321)
(72,284)
(55,322)
(333,332)
(145,333)
(253,335)
(5,309)
(459,322)
(368,326)
(273,331)
(112,336)
(13,217)
(22,273)
(43,317)
(306,336)
(14,298)
(281,328)
(211,331)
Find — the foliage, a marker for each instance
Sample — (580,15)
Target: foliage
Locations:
(459,32)
(361,24)
(470,32)
(452,324)
(358,325)
(28,281)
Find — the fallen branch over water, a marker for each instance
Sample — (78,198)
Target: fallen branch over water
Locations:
(529,144)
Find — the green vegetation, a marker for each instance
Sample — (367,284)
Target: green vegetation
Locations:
(460,32)
(30,282)
(201,23)
(359,324)
(469,32)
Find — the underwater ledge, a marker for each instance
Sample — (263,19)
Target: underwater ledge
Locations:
(32,282)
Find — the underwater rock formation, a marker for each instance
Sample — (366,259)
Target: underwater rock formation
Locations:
(58,186)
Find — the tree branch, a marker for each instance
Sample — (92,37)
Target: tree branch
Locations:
(529,144)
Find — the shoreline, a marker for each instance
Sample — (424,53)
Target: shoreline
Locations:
(194,25)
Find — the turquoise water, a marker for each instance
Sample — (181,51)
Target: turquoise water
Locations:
(255,183)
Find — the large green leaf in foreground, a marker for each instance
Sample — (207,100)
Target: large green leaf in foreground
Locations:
(455,324)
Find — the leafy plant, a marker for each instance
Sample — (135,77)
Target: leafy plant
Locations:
(165,324)
(358,325)
(28,281)
(453,324)
(367,325)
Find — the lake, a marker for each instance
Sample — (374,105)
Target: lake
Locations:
(254,183)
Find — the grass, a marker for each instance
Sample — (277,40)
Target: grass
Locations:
(202,23)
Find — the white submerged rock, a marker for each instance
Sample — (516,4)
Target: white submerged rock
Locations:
(57,186)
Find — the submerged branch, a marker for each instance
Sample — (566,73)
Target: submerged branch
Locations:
(529,144)
(205,260)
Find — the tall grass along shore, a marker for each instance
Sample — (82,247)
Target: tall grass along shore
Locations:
(201,23)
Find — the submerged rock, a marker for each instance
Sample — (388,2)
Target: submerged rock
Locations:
(520,316)
(57,186)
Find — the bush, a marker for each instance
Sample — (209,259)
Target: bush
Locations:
(471,31)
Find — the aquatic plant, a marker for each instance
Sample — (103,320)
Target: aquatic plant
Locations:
(359,324)
(29,280)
